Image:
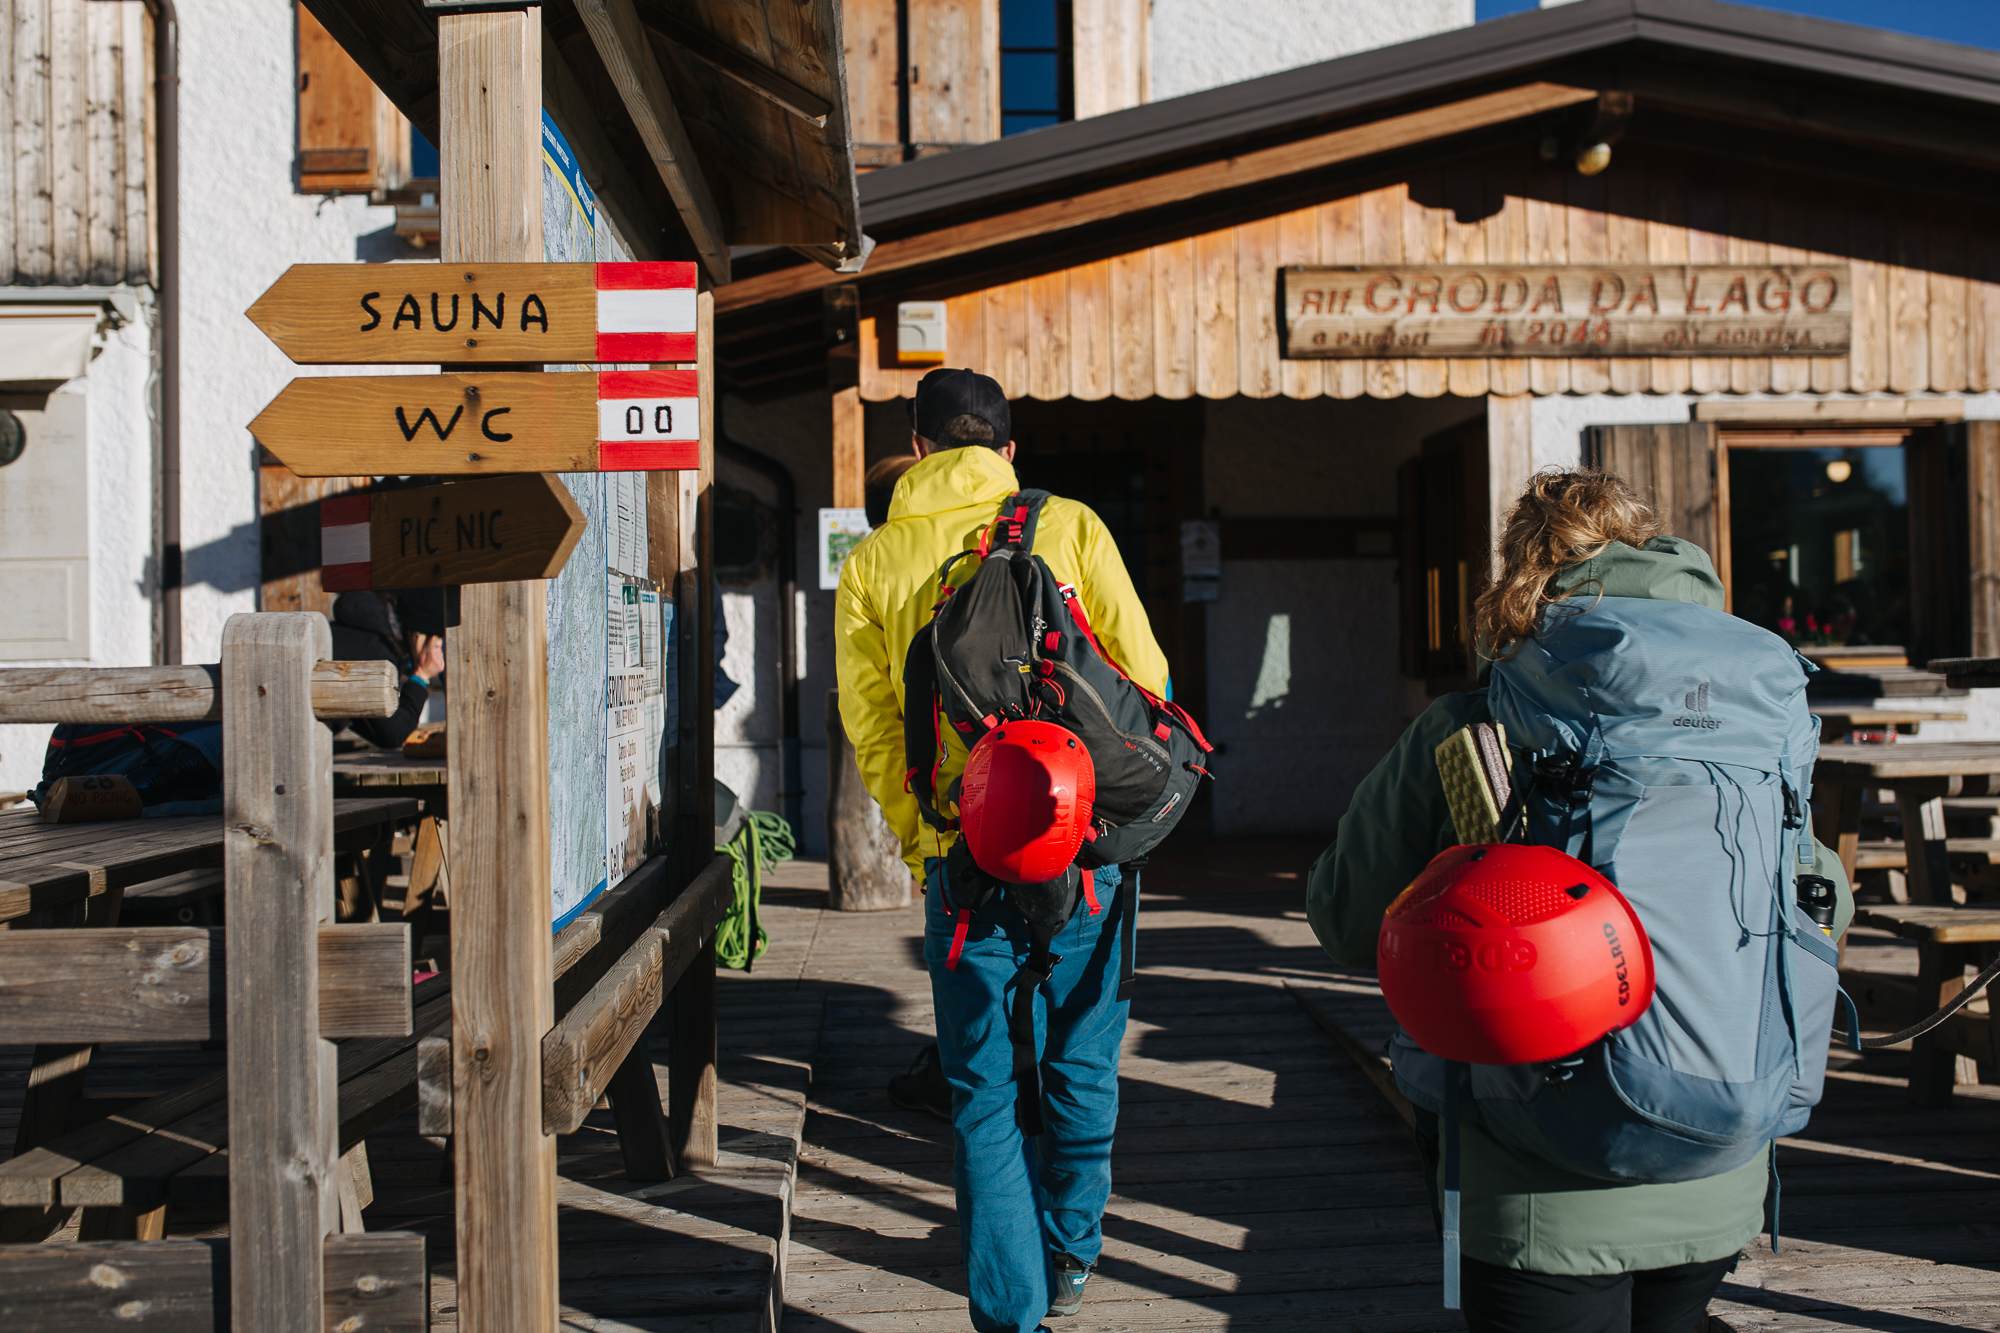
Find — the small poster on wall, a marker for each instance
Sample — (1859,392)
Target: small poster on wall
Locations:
(839,530)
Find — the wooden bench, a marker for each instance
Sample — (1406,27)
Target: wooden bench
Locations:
(289,1098)
(1949,940)
(125,1169)
(191,898)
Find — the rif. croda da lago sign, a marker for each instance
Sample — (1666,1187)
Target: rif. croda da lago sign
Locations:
(414,314)
(1468,310)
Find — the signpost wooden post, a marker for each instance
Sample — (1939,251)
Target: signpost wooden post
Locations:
(485,422)
(417,314)
(487,531)
(1568,310)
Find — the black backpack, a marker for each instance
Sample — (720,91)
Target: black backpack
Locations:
(1013,643)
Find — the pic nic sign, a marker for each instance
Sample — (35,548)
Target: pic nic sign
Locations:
(1474,310)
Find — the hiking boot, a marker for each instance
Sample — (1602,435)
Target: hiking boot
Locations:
(1071,1274)
(923,1087)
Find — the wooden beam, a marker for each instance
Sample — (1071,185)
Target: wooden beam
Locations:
(179,693)
(581,1052)
(688,963)
(1048,222)
(374,1282)
(740,68)
(164,983)
(490,190)
(277,810)
(1832,411)
(628,57)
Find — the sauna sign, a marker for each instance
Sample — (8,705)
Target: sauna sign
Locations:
(471,423)
(425,313)
(1474,310)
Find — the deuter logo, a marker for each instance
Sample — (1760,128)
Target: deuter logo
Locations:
(1696,703)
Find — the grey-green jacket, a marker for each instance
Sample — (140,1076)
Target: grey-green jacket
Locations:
(1520,1212)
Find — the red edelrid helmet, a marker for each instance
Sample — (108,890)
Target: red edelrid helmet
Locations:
(1505,955)
(1025,800)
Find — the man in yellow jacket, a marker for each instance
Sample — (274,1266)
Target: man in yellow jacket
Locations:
(1030,1210)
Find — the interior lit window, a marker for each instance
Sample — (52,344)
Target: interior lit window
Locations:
(1821,543)
(1034,64)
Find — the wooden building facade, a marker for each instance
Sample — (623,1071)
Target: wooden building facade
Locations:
(1121,277)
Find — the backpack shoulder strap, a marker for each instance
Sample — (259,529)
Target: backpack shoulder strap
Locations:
(923,729)
(1015,524)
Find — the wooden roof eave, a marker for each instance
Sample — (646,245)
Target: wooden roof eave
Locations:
(669,191)
(1053,220)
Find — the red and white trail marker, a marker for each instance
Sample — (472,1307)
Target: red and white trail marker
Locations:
(417,314)
(648,420)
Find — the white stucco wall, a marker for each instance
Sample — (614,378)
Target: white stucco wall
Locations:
(1199,44)
(242,223)
(118,484)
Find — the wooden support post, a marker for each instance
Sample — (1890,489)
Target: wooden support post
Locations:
(1510,441)
(843,378)
(277,801)
(503,1001)
(865,870)
(691,1083)
(1936,1067)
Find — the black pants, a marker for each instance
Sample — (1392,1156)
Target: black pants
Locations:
(1659,1300)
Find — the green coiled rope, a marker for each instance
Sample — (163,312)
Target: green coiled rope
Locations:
(764,842)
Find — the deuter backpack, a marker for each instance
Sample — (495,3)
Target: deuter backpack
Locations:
(1669,746)
(1014,643)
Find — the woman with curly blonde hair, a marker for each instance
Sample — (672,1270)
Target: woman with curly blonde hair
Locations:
(1547,1251)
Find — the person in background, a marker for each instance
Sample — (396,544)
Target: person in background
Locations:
(368,628)
(879,486)
(1546,1251)
(1030,1211)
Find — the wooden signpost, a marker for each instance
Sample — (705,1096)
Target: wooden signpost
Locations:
(473,423)
(417,314)
(487,531)
(1474,310)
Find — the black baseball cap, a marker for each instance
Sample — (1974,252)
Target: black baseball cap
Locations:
(950,392)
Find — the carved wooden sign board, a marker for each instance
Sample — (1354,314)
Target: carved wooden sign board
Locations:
(490,530)
(418,314)
(474,423)
(1474,310)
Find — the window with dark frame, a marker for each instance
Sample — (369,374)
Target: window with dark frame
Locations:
(1035,84)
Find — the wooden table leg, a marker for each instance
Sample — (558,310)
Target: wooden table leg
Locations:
(1837,820)
(1933,1064)
(691,1063)
(634,1094)
(1921,804)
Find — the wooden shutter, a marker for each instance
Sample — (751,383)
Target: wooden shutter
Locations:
(351,139)
(953,72)
(1107,55)
(873,49)
(1954,490)
(1672,467)
(1442,549)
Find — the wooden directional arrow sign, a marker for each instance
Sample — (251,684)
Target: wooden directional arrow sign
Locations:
(490,531)
(418,314)
(473,423)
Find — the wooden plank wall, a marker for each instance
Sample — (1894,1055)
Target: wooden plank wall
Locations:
(1195,316)
(76,134)
(953,71)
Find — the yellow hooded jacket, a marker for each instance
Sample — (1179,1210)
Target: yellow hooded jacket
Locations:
(889,586)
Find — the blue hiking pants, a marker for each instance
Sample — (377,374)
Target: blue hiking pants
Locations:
(1020,1199)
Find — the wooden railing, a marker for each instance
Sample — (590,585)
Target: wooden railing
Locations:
(289,981)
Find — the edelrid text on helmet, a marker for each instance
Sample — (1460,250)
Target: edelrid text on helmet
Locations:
(1025,801)
(1509,954)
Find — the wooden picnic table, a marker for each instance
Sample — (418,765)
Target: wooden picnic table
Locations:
(1839,721)
(370,772)
(1968,673)
(379,769)
(1920,774)
(45,867)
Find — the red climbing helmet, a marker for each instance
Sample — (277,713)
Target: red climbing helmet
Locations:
(1025,800)
(1506,954)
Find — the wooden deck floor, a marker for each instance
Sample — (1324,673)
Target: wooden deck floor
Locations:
(1261,1181)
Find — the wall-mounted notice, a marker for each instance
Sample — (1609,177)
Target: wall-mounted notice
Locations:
(839,530)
